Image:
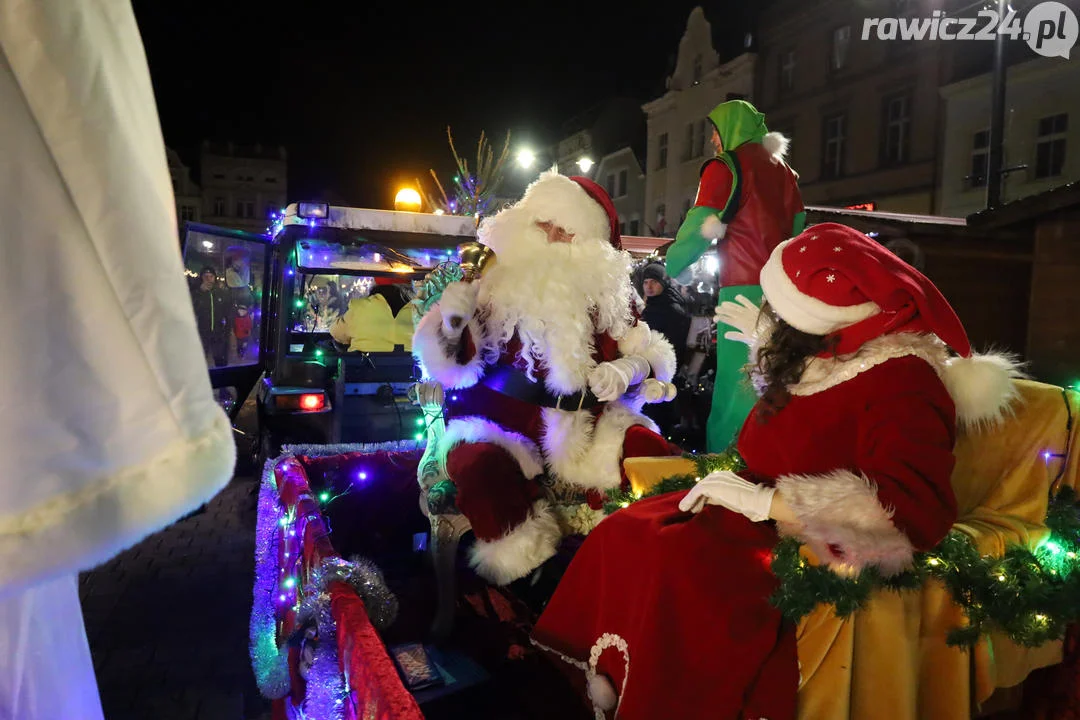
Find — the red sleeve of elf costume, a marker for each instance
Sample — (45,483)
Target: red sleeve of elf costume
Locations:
(899,498)
(714,188)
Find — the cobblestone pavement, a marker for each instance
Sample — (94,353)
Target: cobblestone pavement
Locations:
(168,619)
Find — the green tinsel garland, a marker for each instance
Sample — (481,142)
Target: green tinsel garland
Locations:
(1029,595)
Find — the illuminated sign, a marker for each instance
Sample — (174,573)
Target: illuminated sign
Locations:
(869,206)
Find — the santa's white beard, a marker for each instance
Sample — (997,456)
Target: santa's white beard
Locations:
(557,296)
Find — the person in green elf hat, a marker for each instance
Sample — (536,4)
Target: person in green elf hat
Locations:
(747,203)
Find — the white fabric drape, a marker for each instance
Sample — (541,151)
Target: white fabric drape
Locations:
(108,425)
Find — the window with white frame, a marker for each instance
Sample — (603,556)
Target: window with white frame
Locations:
(621,189)
(832,153)
(635,226)
(841,41)
(187,213)
(219,206)
(661,152)
(787,70)
(1050,146)
(896,129)
(980,157)
(609,185)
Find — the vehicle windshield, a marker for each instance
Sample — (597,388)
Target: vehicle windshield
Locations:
(320,299)
(316,255)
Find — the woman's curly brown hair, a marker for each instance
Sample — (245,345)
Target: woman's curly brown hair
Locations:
(782,359)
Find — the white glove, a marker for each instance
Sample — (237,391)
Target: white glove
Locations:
(749,322)
(657,391)
(457,305)
(610,380)
(726,489)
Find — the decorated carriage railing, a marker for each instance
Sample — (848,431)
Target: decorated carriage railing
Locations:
(314,642)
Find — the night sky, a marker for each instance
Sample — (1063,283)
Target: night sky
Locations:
(361,93)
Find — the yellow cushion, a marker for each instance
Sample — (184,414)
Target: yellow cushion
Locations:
(645,472)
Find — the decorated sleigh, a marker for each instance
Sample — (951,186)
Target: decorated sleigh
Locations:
(975,618)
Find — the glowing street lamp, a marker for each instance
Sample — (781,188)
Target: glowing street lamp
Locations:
(526,158)
(408,200)
(585,164)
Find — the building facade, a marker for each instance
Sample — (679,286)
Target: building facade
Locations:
(188,195)
(677,129)
(621,175)
(242,185)
(862,114)
(1041,139)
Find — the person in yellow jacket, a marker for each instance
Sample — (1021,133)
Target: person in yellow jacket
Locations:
(380,322)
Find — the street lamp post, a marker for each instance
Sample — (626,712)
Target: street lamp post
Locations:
(996,156)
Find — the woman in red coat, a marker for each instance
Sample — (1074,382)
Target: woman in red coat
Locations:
(849,448)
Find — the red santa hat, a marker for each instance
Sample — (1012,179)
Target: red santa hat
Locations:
(834,280)
(576,204)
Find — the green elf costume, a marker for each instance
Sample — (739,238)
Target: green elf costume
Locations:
(747,203)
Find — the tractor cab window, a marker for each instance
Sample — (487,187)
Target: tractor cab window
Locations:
(225,275)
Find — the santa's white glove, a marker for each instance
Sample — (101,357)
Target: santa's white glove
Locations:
(610,380)
(457,305)
(726,489)
(657,391)
(749,322)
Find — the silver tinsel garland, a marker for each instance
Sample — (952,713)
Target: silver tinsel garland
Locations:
(327,688)
(269,657)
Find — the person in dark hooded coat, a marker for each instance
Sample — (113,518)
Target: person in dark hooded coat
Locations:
(665,312)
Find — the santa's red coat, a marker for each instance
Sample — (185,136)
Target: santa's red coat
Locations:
(688,594)
(499,448)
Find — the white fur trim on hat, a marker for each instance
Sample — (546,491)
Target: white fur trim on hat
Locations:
(805,312)
(562,201)
(983,388)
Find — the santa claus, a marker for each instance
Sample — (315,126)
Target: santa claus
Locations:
(549,366)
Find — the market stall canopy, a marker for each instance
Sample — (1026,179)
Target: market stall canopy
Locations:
(640,246)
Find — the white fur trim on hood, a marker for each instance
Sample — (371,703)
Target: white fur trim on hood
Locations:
(777,144)
(841,509)
(557,198)
(478,429)
(435,353)
(521,550)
